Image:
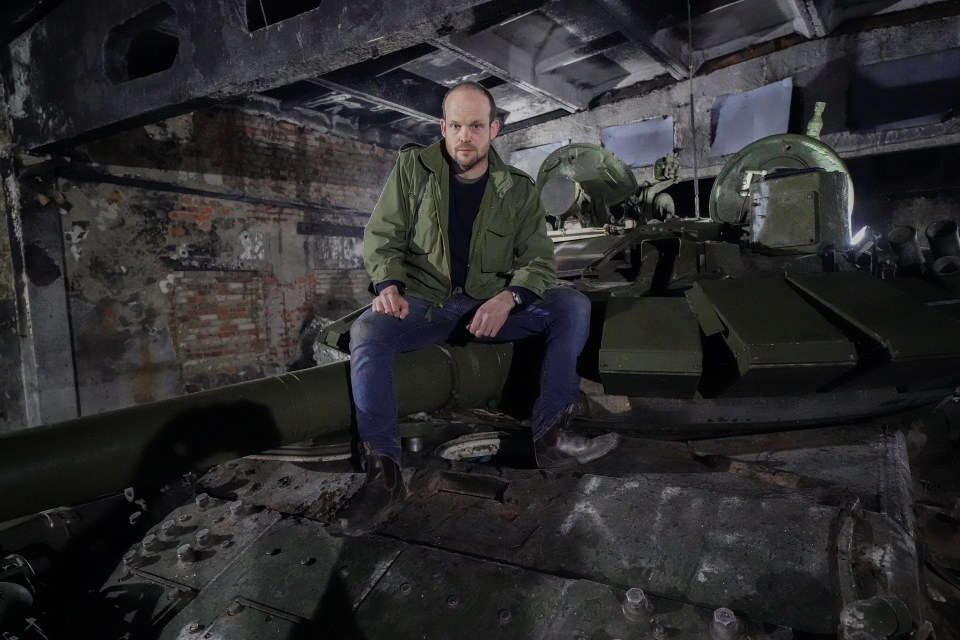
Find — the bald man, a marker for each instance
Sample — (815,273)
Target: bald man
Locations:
(457,244)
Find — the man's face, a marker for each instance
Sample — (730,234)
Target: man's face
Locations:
(467,130)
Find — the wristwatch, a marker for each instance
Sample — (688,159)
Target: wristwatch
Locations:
(517,300)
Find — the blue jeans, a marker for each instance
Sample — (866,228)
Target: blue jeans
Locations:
(563,316)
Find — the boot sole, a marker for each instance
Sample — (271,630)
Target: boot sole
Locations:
(609,441)
(334,530)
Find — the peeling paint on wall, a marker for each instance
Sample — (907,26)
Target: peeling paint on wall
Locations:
(252,244)
(20,96)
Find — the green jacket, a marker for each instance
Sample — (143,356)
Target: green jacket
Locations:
(509,244)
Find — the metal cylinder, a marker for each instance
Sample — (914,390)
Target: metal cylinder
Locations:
(78,460)
(943,238)
(876,617)
(945,273)
(906,245)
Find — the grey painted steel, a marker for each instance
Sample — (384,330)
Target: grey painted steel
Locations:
(945,272)
(80,459)
(692,538)
(944,238)
(906,245)
(58,98)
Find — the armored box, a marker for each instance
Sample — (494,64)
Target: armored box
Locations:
(650,347)
(782,345)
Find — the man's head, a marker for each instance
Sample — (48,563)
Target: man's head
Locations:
(468,126)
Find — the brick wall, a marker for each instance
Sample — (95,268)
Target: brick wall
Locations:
(213,270)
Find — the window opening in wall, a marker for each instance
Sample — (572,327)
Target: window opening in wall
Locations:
(263,13)
(146,44)
(908,92)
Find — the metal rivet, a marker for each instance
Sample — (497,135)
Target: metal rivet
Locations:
(203,536)
(236,507)
(504,615)
(724,617)
(202,500)
(194,627)
(131,558)
(405,587)
(168,529)
(149,541)
(453,601)
(636,606)
(185,553)
(225,544)
(183,517)
(273,552)
(234,608)
(307,561)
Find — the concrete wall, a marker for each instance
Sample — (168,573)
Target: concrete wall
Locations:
(822,70)
(199,248)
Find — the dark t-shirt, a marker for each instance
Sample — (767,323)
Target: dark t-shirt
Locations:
(465,197)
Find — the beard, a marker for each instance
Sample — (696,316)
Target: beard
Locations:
(466,165)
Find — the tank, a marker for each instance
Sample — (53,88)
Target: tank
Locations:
(772,374)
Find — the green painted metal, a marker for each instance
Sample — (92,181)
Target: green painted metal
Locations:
(650,347)
(781,344)
(799,213)
(782,151)
(919,343)
(78,460)
(598,174)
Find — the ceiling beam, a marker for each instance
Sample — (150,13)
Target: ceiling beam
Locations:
(57,100)
(398,90)
(626,16)
(496,56)
(588,50)
(809,19)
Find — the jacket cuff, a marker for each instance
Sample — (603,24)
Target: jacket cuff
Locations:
(380,286)
(526,296)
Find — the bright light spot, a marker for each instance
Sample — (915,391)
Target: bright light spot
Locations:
(859,236)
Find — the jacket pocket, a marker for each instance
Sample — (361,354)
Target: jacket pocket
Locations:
(425,233)
(497,256)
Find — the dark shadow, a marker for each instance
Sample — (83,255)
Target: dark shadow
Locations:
(200,436)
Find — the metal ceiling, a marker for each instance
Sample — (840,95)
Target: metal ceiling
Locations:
(386,66)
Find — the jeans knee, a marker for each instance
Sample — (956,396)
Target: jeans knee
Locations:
(574,308)
(363,331)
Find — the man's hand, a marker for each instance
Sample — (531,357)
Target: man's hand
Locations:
(490,316)
(390,302)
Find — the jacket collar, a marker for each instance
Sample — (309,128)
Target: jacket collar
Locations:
(434,158)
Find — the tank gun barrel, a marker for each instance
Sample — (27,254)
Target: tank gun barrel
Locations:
(78,460)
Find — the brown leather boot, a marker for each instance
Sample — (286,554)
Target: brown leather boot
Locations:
(562,448)
(382,494)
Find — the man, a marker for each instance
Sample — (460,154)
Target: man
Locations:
(458,241)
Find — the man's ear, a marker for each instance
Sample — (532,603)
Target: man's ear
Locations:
(443,128)
(494,128)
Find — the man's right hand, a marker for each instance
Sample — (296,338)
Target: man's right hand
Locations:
(390,302)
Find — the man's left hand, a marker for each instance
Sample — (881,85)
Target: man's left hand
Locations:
(490,316)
